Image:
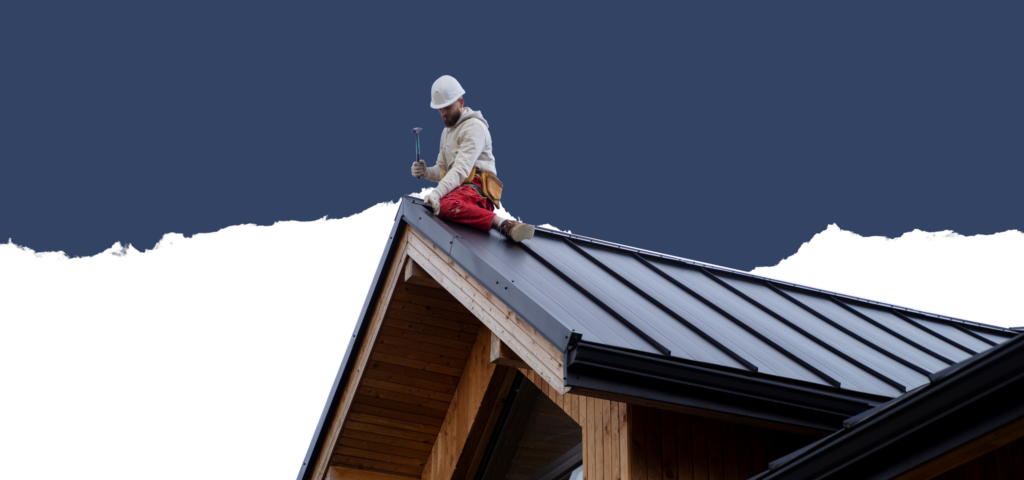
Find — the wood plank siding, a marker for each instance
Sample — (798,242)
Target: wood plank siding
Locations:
(673,445)
(605,430)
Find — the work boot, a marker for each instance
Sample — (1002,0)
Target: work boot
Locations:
(516,231)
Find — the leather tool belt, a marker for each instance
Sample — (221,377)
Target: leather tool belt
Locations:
(491,185)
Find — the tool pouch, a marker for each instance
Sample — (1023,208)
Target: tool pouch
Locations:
(492,187)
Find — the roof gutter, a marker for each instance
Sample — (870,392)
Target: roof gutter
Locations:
(961,403)
(707,387)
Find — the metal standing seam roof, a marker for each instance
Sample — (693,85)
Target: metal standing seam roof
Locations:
(651,303)
(691,323)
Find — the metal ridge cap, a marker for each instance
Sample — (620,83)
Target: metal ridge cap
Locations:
(728,270)
(811,388)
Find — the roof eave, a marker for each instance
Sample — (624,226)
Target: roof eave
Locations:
(706,387)
(914,419)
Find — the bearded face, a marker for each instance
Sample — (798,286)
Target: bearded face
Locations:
(452,113)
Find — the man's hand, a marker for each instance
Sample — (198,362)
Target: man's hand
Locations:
(434,200)
(419,169)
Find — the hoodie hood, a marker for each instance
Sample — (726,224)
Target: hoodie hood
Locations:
(468,113)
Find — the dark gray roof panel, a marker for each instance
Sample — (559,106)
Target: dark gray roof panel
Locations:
(907,329)
(953,333)
(759,351)
(827,334)
(868,352)
(686,342)
(556,296)
(797,341)
(612,331)
(871,332)
(997,339)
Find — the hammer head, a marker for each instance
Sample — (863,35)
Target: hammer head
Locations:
(416,131)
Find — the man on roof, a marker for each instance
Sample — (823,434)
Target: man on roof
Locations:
(468,187)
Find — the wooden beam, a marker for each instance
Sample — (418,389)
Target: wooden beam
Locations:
(416,275)
(322,462)
(464,414)
(487,420)
(342,473)
(515,332)
(502,355)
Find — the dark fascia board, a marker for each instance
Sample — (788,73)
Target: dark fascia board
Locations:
(723,389)
(964,403)
(358,334)
(803,288)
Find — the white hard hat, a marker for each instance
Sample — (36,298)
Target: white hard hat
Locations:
(446,91)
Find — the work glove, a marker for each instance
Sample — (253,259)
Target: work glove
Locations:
(434,201)
(419,169)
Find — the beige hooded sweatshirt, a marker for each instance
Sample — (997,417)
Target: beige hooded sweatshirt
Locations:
(464,146)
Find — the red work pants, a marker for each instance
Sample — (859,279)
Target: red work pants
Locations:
(465,205)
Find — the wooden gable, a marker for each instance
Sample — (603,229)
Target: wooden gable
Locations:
(424,384)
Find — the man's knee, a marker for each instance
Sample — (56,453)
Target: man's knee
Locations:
(450,206)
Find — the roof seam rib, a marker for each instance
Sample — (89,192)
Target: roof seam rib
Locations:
(828,379)
(647,338)
(933,332)
(735,356)
(752,331)
(890,331)
(891,382)
(975,335)
(849,332)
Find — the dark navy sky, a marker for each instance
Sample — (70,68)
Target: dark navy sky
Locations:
(728,133)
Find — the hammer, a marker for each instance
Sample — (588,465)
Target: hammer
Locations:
(416,131)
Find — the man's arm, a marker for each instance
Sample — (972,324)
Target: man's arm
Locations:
(434,173)
(471,145)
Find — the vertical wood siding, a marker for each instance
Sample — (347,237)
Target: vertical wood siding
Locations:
(605,431)
(669,446)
